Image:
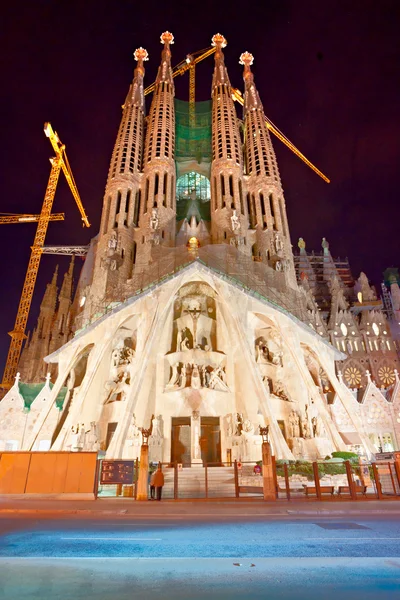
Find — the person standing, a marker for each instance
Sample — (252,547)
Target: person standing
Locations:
(158,481)
(152,487)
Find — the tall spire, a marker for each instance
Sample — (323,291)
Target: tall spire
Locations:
(157,220)
(116,246)
(229,219)
(265,200)
(260,156)
(127,154)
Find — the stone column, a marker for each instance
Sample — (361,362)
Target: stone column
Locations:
(268,473)
(195,438)
(142,491)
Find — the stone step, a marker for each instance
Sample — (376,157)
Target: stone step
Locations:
(191,482)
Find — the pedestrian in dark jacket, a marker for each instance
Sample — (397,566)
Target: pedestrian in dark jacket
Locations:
(158,481)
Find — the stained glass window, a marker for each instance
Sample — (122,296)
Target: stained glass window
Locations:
(193,181)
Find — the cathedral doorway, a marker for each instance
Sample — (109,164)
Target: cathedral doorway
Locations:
(181,441)
(210,440)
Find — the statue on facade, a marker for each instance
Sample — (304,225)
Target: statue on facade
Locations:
(113,241)
(238,423)
(184,376)
(367,292)
(156,427)
(92,438)
(217,379)
(154,220)
(325,245)
(305,426)
(278,244)
(196,380)
(248,427)
(262,354)
(174,379)
(235,222)
(294,423)
(316,426)
(229,425)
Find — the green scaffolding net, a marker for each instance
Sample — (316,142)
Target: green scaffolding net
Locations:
(193,142)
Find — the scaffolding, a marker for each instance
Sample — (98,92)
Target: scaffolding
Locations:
(254,278)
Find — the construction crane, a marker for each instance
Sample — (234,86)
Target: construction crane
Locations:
(6,218)
(237,95)
(60,162)
(189,64)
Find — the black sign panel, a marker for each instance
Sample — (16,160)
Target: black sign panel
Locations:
(117,471)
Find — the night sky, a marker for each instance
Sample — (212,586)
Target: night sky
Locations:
(327,71)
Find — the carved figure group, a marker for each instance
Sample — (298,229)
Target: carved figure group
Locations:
(269,351)
(196,376)
(85,439)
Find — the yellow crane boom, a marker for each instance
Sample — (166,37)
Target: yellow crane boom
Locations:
(7,219)
(18,333)
(237,95)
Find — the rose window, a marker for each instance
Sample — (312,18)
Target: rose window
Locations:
(352,376)
(386,375)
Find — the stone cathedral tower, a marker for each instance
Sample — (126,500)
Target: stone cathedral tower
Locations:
(187,312)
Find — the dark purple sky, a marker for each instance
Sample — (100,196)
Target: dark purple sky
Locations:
(328,74)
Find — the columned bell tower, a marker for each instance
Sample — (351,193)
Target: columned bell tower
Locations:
(158,208)
(229,219)
(264,199)
(117,240)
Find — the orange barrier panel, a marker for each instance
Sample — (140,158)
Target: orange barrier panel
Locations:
(81,472)
(47,472)
(14,467)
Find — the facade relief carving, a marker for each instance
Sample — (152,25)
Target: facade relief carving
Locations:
(120,370)
(193,360)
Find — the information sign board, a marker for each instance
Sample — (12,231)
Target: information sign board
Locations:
(117,471)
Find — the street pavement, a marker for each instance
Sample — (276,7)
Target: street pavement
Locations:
(194,552)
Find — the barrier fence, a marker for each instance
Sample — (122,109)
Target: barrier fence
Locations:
(82,473)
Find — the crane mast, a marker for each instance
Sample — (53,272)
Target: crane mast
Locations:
(58,163)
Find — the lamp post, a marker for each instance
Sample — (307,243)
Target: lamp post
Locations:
(142,490)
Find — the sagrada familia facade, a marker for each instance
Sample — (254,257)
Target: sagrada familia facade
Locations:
(193,314)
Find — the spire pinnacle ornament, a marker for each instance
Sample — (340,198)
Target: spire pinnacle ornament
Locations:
(246,59)
(140,54)
(167,38)
(218,40)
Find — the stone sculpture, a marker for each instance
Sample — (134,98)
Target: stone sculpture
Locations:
(235,222)
(154,220)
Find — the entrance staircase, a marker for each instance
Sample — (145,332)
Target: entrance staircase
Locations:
(198,482)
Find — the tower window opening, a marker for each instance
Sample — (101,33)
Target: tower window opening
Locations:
(241,197)
(165,187)
(156,183)
(136,212)
(231,185)
(263,210)
(118,208)
(253,210)
(107,214)
(146,196)
(271,208)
